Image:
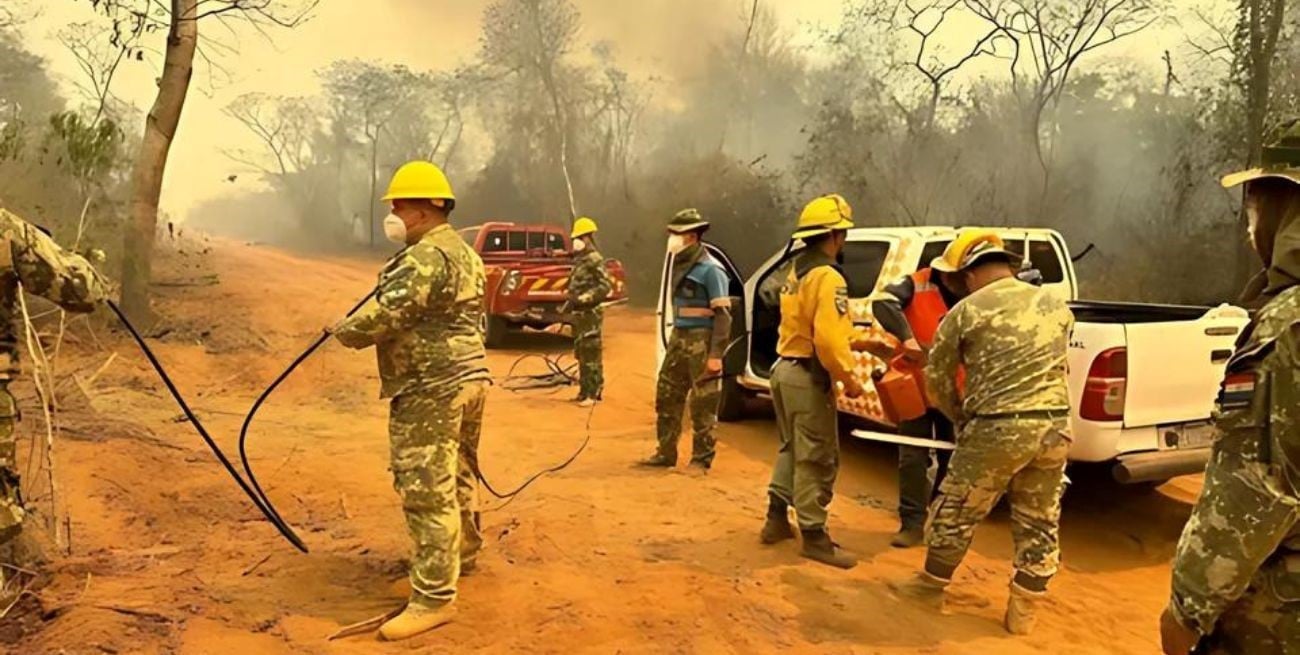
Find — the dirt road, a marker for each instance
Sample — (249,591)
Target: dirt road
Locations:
(167,557)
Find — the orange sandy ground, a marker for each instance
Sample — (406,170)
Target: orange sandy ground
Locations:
(601,558)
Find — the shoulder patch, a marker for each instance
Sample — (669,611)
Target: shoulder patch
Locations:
(1237,391)
(842,300)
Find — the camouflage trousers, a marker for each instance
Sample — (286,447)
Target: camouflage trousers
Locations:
(1022,456)
(1265,620)
(11,505)
(684,365)
(588,349)
(809,458)
(434,440)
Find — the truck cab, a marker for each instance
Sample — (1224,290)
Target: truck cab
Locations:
(528,269)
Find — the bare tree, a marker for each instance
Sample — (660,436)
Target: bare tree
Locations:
(180,19)
(99,56)
(1043,41)
(371,95)
(15,12)
(532,37)
(925,18)
(1259,24)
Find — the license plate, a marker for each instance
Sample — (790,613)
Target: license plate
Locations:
(1186,437)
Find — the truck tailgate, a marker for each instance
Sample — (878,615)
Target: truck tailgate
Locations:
(1175,368)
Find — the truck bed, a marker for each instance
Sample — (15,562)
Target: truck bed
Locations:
(1088,311)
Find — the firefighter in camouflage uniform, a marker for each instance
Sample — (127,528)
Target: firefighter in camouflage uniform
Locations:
(425,324)
(1236,573)
(589,286)
(692,366)
(1011,339)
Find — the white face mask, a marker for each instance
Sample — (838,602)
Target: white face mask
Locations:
(579,245)
(395,229)
(676,243)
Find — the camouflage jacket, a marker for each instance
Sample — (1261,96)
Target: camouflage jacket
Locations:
(32,259)
(1012,339)
(426,321)
(589,283)
(1247,514)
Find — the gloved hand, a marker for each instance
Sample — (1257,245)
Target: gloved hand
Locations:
(853,389)
(913,353)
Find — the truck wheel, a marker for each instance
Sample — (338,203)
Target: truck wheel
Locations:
(731,407)
(496,331)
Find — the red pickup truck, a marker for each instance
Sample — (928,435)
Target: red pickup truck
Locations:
(528,269)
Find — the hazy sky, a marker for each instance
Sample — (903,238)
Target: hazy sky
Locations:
(665,37)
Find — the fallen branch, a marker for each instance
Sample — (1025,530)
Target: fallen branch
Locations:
(144,614)
(362,627)
(48,406)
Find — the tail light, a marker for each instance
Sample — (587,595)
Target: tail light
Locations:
(1104,392)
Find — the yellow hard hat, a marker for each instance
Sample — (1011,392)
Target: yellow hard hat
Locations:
(825,214)
(419,180)
(582,227)
(967,248)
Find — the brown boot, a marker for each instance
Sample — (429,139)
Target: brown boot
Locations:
(923,588)
(777,526)
(817,546)
(1021,609)
(416,619)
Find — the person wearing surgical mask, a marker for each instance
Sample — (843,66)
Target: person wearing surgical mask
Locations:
(589,286)
(425,323)
(692,367)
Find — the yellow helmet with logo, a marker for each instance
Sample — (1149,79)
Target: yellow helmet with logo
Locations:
(825,214)
(582,227)
(969,247)
(419,180)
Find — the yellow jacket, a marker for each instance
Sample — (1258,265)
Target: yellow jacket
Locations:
(815,315)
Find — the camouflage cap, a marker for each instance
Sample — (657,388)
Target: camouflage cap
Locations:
(687,220)
(1279,160)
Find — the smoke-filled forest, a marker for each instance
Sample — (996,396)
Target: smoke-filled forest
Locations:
(1109,120)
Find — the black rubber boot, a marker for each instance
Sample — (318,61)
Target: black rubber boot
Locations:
(817,546)
(777,526)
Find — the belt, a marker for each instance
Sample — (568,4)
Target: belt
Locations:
(694,312)
(1032,415)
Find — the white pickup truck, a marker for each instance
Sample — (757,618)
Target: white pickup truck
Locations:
(1143,378)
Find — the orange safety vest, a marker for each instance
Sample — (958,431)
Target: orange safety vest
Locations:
(926,312)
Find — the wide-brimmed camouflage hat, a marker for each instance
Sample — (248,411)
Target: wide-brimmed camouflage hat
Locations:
(687,220)
(1279,160)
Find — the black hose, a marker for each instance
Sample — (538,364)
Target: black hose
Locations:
(263,505)
(509,496)
(257,405)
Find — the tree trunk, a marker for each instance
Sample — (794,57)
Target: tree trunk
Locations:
(1262,25)
(151,162)
(374,165)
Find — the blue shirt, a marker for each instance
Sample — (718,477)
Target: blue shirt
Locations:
(704,284)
